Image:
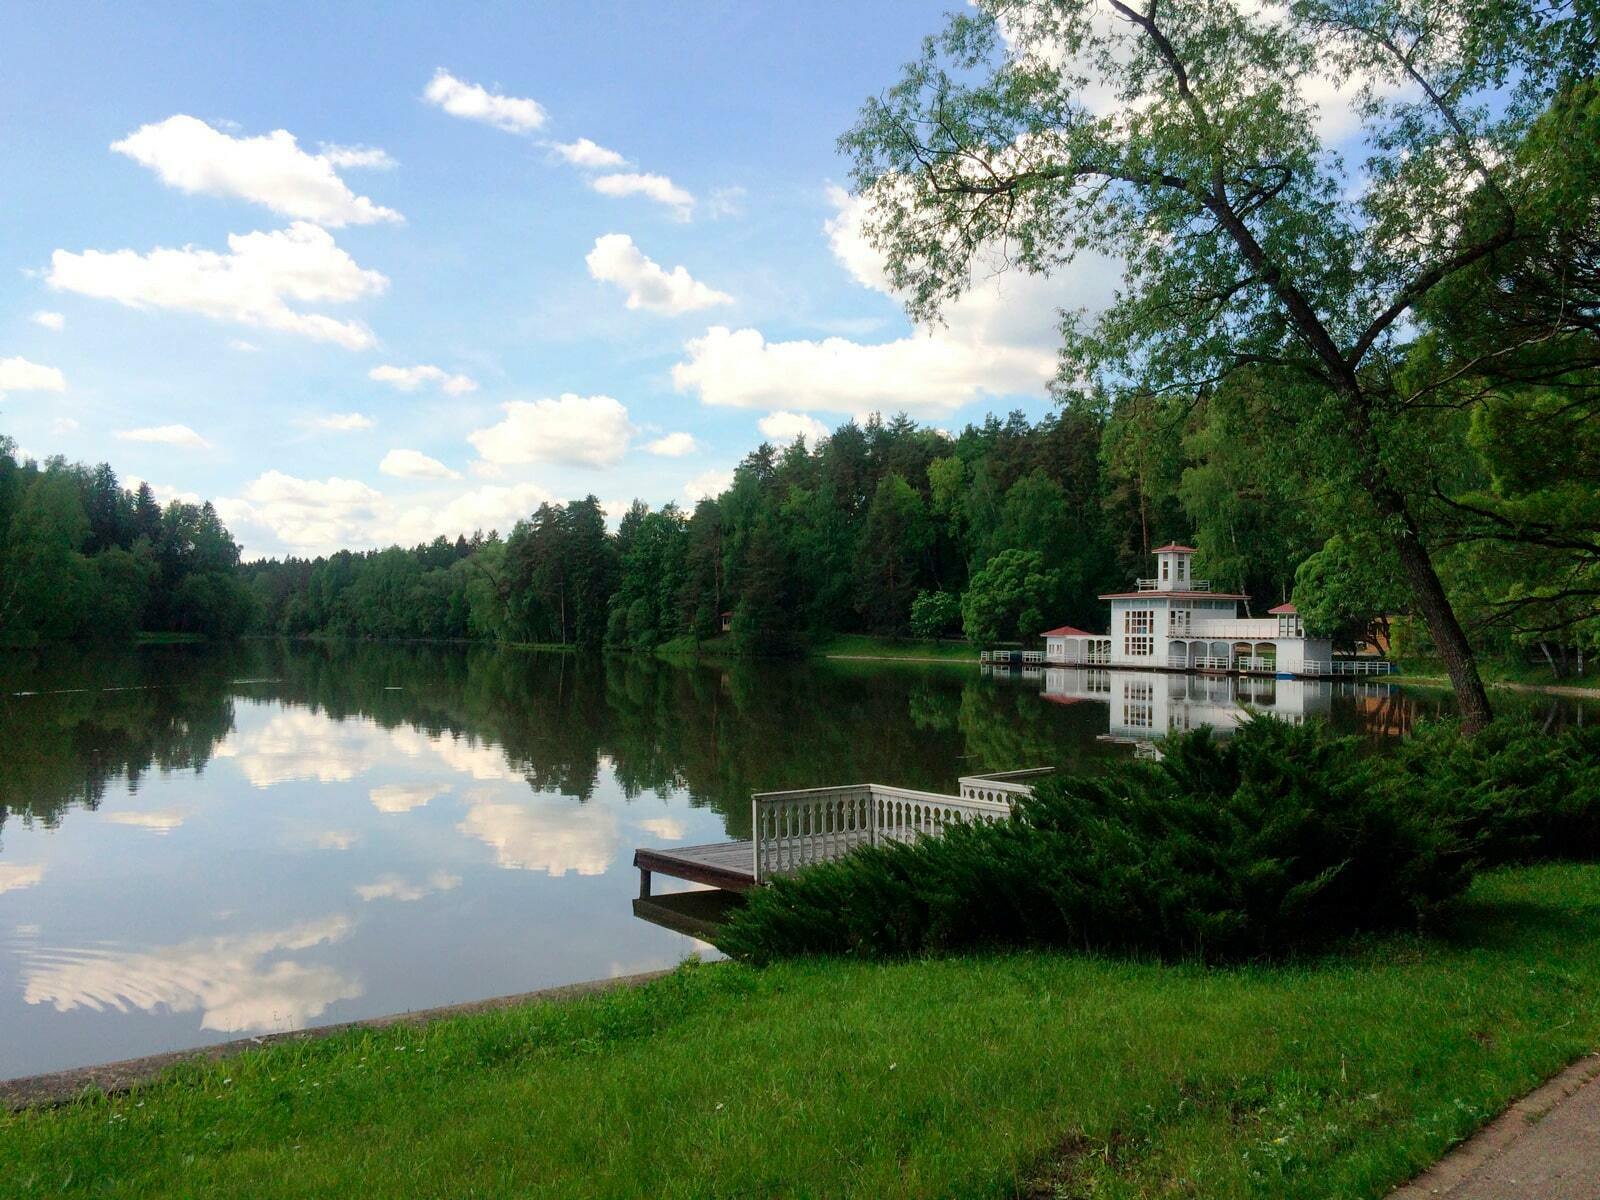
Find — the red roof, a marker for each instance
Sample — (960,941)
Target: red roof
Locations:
(1058,699)
(1171,546)
(1282,608)
(1174,595)
(1069,631)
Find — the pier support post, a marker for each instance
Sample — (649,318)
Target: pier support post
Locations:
(644,884)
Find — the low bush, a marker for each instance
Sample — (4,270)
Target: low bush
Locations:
(1515,792)
(1278,838)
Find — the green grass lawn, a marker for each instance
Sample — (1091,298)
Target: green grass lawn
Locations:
(1496,670)
(862,645)
(984,1076)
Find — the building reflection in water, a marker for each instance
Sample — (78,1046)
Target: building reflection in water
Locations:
(1145,706)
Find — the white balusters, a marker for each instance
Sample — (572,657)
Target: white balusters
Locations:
(793,829)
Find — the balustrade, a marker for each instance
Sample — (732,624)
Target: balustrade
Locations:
(794,829)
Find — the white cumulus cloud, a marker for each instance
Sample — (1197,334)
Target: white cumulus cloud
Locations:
(319,516)
(653,187)
(784,427)
(923,373)
(269,170)
(413,464)
(52,321)
(348,422)
(368,158)
(20,375)
(165,435)
(474,103)
(707,485)
(673,445)
(254,283)
(615,259)
(307,514)
(998,339)
(409,379)
(589,156)
(591,431)
(492,506)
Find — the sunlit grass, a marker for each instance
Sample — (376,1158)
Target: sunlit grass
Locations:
(968,1077)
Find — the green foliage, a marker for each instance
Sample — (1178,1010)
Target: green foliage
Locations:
(1515,792)
(82,558)
(1279,838)
(894,541)
(934,614)
(1348,589)
(1008,599)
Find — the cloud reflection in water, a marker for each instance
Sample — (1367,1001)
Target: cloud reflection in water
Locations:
(228,978)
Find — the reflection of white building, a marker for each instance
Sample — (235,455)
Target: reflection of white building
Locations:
(1145,707)
(1174,621)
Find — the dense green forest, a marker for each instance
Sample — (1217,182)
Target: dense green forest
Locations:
(82,556)
(887,528)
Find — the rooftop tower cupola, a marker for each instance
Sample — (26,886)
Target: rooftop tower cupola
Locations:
(1174,571)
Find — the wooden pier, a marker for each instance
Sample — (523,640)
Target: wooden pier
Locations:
(730,866)
(797,828)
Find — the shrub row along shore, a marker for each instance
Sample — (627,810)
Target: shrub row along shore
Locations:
(1280,838)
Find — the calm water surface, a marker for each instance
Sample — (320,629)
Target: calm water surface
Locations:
(200,844)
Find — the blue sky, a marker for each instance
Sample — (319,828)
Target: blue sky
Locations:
(204,305)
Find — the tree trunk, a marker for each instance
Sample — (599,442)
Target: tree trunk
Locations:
(1432,602)
(1434,606)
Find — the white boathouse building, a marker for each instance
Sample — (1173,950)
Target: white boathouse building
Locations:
(1175,622)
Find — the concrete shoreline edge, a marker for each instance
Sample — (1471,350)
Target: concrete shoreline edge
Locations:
(63,1087)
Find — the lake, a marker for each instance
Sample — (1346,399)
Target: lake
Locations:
(199,844)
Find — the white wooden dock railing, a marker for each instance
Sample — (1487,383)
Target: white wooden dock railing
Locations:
(1002,786)
(1350,666)
(795,829)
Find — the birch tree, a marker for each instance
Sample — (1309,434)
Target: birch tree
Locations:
(1184,139)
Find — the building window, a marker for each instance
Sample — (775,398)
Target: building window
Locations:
(1137,710)
(1178,620)
(1183,564)
(1165,565)
(1138,626)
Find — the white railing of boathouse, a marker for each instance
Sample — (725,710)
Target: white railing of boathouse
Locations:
(1350,666)
(1156,585)
(1254,629)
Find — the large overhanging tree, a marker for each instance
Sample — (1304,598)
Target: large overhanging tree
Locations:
(1183,139)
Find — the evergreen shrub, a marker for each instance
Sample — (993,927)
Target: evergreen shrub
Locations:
(1279,838)
(1515,792)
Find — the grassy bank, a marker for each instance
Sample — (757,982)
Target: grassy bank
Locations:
(860,645)
(1431,672)
(842,645)
(970,1076)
